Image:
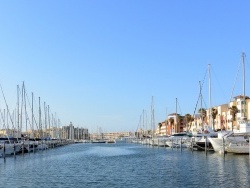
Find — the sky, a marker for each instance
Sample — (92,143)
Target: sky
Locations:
(98,64)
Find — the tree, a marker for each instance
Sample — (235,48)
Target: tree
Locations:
(233,111)
(214,114)
(159,125)
(203,113)
(171,121)
(188,119)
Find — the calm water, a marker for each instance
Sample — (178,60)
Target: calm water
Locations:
(124,165)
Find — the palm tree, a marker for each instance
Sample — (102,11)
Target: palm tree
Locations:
(159,125)
(171,121)
(214,114)
(188,119)
(233,111)
(203,114)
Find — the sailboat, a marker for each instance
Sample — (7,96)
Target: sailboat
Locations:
(200,137)
(153,141)
(8,144)
(236,141)
(98,138)
(177,139)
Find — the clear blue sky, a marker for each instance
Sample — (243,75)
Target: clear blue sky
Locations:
(98,63)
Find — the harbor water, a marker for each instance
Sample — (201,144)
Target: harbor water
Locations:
(124,165)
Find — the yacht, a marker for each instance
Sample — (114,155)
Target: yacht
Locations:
(200,140)
(178,140)
(236,141)
(239,147)
(229,141)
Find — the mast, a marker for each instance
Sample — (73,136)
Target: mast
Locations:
(45,119)
(152,116)
(52,125)
(40,124)
(209,88)
(176,115)
(17,111)
(201,111)
(49,121)
(25,109)
(244,85)
(143,123)
(32,113)
(21,116)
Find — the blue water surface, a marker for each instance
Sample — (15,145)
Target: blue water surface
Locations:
(124,165)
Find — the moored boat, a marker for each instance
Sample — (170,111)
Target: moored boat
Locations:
(178,140)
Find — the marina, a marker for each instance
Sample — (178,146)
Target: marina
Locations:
(133,94)
(124,165)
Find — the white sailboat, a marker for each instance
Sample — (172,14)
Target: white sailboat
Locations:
(177,139)
(8,144)
(9,147)
(200,137)
(236,141)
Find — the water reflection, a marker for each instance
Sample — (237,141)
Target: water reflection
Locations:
(108,151)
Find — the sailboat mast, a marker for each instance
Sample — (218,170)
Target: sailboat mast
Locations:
(40,123)
(152,117)
(49,120)
(143,125)
(209,87)
(18,111)
(32,113)
(45,119)
(244,84)
(201,111)
(176,115)
(25,109)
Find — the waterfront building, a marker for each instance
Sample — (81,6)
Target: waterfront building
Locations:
(71,133)
(222,118)
(242,104)
(197,123)
(174,123)
(115,135)
(8,132)
(56,132)
(161,129)
(219,117)
(81,133)
(112,135)
(228,116)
